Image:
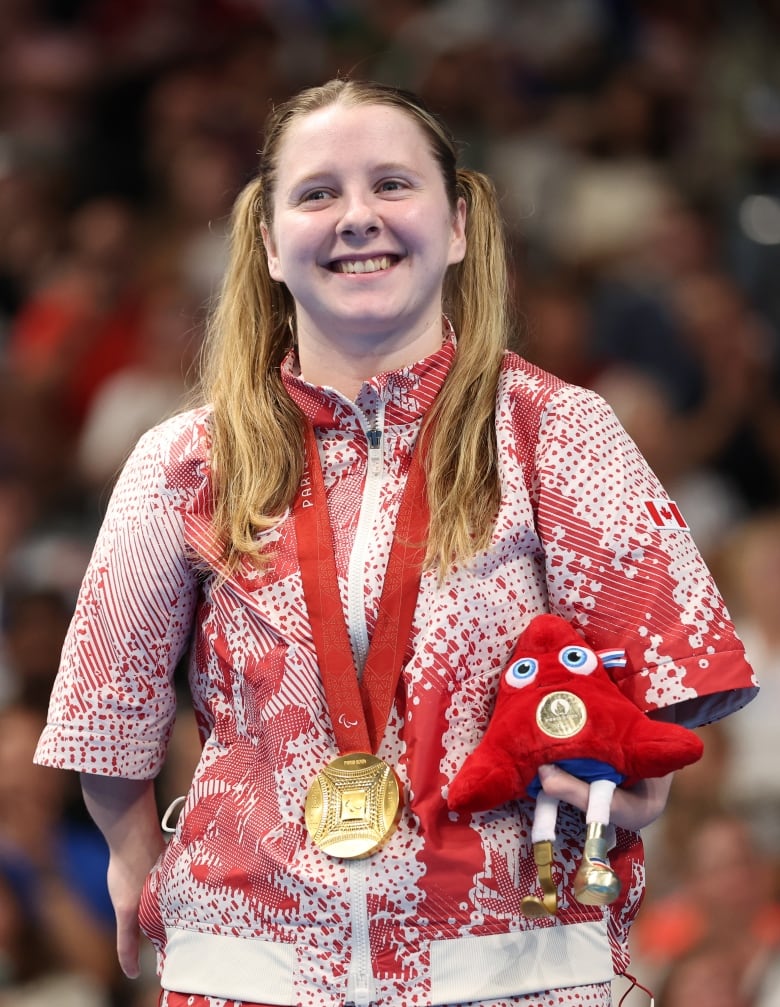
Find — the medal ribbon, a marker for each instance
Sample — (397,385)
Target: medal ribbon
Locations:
(359,710)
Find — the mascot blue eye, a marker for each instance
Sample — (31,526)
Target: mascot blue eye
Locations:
(580,660)
(521,672)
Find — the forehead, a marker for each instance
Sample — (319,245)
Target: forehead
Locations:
(337,134)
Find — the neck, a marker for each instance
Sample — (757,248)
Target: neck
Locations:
(346,364)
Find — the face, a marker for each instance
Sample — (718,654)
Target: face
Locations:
(362,233)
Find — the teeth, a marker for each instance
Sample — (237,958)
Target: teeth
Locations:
(363,265)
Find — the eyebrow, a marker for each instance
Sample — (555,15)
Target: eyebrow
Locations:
(395,166)
(386,167)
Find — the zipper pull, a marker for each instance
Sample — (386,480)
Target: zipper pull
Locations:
(374,438)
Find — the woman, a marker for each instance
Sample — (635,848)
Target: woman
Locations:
(364,421)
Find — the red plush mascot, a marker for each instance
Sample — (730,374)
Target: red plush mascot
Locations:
(557,704)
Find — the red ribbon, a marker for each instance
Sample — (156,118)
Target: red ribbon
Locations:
(359,709)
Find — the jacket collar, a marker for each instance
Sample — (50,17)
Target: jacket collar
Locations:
(407,393)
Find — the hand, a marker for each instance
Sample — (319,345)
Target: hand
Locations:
(632,808)
(126,813)
(127,873)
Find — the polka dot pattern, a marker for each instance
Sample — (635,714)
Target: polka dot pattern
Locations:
(571,536)
(596,996)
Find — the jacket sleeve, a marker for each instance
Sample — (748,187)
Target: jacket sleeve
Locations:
(113,702)
(622,565)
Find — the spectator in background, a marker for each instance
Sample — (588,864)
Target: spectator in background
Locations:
(196,156)
(697,796)
(78,326)
(31,974)
(61,861)
(714,413)
(17,502)
(725,906)
(30,225)
(137,396)
(750,565)
(558,333)
(736,357)
(33,625)
(707,975)
(710,501)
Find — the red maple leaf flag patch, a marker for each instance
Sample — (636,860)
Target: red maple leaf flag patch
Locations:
(665,514)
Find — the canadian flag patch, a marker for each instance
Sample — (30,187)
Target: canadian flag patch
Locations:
(665,514)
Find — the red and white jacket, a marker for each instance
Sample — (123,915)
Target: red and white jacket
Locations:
(241,905)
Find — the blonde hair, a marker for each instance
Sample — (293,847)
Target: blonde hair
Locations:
(257,446)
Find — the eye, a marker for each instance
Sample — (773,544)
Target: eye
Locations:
(521,672)
(392,185)
(314,195)
(580,660)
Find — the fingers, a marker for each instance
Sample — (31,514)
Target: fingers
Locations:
(633,808)
(557,783)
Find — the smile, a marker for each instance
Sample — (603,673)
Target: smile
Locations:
(364,265)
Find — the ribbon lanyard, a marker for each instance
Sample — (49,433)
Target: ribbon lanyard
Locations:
(359,710)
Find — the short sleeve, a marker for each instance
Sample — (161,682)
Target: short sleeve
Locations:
(621,564)
(113,702)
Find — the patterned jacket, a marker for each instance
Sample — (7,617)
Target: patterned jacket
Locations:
(241,905)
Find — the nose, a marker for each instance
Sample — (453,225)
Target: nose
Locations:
(360,218)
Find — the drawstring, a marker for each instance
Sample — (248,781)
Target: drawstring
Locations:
(165,824)
(635,984)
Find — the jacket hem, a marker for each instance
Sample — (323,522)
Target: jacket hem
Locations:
(230,967)
(462,969)
(467,969)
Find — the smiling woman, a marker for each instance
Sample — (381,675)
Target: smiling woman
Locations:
(303,168)
(362,245)
(348,537)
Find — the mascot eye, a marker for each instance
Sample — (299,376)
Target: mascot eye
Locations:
(580,660)
(521,672)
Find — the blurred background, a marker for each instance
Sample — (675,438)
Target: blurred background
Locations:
(636,149)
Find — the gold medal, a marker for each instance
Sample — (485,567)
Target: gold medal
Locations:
(561,715)
(353,806)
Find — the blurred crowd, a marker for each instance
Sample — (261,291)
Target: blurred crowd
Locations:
(636,149)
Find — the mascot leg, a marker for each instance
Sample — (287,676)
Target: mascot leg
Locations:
(543,836)
(595,883)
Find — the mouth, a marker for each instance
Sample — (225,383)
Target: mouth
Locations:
(377,264)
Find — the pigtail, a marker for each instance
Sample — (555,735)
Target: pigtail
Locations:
(463,485)
(256,466)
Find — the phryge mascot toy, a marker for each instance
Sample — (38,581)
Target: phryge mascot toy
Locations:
(557,704)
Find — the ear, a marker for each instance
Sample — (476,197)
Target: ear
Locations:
(458,239)
(272,257)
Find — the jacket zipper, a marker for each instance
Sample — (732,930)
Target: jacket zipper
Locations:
(359,990)
(360,978)
(358,631)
